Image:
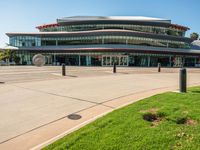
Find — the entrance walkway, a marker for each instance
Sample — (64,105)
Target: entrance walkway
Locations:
(36,112)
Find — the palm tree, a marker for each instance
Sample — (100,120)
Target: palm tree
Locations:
(194,36)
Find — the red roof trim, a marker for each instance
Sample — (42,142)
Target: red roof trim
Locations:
(47,25)
(179,27)
(56,25)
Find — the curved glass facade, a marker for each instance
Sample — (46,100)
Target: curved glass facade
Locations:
(84,42)
(139,28)
(31,41)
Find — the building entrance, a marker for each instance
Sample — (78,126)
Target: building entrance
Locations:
(110,60)
(70,60)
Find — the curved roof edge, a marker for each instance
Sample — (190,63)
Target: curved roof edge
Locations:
(113,19)
(122,18)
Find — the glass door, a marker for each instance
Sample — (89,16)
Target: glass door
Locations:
(119,60)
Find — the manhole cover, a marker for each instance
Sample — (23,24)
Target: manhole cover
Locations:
(74,116)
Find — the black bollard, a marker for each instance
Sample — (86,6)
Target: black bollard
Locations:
(159,67)
(114,68)
(63,70)
(183,80)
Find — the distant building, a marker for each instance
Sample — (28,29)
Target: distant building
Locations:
(101,41)
(196,44)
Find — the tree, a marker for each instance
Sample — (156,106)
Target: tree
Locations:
(6,55)
(9,55)
(1,56)
(194,36)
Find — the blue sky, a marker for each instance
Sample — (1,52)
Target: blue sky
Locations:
(25,15)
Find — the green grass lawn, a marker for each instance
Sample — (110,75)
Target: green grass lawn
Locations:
(172,122)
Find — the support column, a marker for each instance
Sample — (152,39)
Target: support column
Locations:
(128,60)
(149,61)
(89,58)
(54,58)
(183,61)
(170,61)
(195,61)
(79,60)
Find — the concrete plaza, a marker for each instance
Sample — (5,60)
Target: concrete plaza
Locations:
(35,102)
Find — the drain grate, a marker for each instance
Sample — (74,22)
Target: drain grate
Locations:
(74,116)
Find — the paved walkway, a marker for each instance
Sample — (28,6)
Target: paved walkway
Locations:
(35,112)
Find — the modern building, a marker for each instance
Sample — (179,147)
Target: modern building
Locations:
(103,41)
